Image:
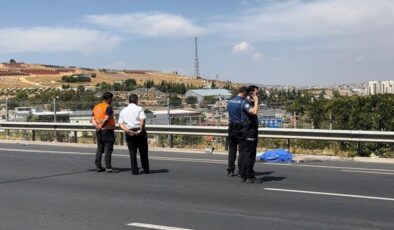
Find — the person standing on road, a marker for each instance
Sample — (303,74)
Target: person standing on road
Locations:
(248,144)
(104,120)
(132,121)
(234,109)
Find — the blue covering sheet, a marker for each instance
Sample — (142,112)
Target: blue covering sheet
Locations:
(276,155)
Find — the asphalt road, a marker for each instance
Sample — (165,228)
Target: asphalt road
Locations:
(49,187)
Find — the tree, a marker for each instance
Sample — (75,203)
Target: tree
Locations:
(22,96)
(175,100)
(64,86)
(80,89)
(209,100)
(191,100)
(130,84)
(149,84)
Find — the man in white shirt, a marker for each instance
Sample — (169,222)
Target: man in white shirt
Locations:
(132,121)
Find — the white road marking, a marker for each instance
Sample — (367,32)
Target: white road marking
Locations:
(331,167)
(330,194)
(368,172)
(181,159)
(199,160)
(153,226)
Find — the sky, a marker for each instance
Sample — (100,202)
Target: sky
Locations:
(271,42)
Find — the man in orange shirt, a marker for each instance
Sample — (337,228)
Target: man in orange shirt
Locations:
(104,120)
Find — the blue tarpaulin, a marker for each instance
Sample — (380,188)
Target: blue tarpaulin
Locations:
(275,155)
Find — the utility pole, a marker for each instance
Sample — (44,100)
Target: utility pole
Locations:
(54,110)
(295,119)
(170,136)
(168,111)
(196,60)
(7,116)
(330,120)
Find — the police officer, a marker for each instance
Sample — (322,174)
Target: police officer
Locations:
(248,144)
(234,109)
(104,121)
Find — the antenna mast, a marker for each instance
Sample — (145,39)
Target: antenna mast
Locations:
(196,60)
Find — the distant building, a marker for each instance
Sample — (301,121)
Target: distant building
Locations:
(380,87)
(22,113)
(201,93)
(176,116)
(48,116)
(85,116)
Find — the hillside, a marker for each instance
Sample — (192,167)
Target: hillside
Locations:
(16,76)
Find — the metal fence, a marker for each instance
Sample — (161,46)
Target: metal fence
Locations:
(279,133)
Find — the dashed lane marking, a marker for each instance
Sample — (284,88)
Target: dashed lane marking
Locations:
(330,194)
(154,226)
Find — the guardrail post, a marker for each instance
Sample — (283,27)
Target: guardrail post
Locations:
(75,137)
(359,148)
(171,141)
(122,137)
(226,143)
(288,144)
(33,135)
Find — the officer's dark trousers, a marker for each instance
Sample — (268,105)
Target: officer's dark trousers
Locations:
(247,152)
(234,139)
(140,143)
(105,145)
(247,158)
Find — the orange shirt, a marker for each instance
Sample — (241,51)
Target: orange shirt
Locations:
(99,114)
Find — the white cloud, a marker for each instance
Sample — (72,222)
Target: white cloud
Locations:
(257,56)
(299,19)
(148,24)
(242,47)
(55,39)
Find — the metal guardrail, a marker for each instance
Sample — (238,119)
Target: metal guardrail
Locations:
(279,133)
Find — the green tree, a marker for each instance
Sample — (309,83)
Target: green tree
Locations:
(191,100)
(22,96)
(209,100)
(175,100)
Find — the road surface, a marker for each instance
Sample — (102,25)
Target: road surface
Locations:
(52,187)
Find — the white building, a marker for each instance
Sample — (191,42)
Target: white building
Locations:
(175,116)
(380,87)
(201,93)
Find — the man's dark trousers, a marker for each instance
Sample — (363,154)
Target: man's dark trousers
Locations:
(105,145)
(234,139)
(139,142)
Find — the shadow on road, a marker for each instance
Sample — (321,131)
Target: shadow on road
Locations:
(151,171)
(272,178)
(44,177)
(263,173)
(159,171)
(266,178)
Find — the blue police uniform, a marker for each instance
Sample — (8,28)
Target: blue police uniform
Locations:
(248,144)
(234,109)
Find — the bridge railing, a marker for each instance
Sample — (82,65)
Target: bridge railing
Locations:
(278,133)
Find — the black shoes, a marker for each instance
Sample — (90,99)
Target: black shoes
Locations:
(108,170)
(100,169)
(111,170)
(231,174)
(141,172)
